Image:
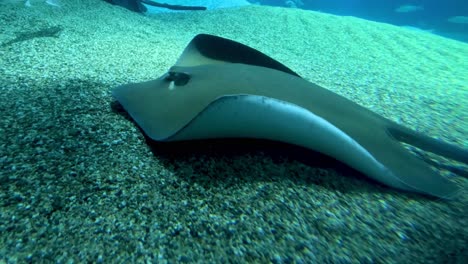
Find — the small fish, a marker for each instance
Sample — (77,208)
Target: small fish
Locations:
(458,19)
(408,8)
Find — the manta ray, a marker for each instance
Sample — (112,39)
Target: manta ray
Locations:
(219,88)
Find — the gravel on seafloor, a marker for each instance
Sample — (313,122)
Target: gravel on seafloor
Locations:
(80,183)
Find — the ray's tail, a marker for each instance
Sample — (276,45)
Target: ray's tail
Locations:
(426,143)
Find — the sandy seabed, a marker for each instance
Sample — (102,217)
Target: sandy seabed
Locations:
(79,182)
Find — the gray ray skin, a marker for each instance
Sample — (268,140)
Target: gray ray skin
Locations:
(223,89)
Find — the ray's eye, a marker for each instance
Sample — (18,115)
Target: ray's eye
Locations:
(179,78)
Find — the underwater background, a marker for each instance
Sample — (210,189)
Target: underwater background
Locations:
(80,183)
(438,17)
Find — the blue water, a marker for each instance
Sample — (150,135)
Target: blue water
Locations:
(430,15)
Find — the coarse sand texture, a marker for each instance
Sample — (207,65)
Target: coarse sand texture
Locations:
(79,182)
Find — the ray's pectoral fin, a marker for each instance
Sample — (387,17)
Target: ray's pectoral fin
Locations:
(208,49)
(414,174)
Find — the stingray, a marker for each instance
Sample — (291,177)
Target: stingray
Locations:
(220,88)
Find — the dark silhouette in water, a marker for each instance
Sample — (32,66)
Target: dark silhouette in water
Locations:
(49,32)
(137,5)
